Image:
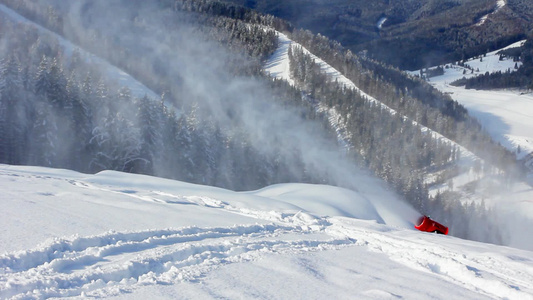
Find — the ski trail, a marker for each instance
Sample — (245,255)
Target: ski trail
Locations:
(499,5)
(61,248)
(278,66)
(486,273)
(116,261)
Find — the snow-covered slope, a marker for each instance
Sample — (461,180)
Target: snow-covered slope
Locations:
(499,5)
(505,114)
(278,66)
(110,72)
(510,201)
(130,236)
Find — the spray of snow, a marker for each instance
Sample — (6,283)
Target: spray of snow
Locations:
(506,115)
(111,73)
(210,242)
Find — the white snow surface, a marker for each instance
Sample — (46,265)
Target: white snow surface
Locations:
(126,236)
(499,5)
(109,71)
(505,114)
(512,202)
(381,21)
(278,65)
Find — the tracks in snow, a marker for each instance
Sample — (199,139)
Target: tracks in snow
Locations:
(115,262)
(118,262)
(491,274)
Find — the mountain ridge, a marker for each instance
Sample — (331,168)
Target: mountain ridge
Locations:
(427,32)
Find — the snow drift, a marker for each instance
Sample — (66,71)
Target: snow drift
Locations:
(130,236)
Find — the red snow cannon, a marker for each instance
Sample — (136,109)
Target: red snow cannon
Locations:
(426,224)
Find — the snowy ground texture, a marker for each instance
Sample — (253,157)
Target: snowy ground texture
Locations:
(505,114)
(130,236)
(512,202)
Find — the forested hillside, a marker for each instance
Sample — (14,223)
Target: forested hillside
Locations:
(221,121)
(409,34)
(520,77)
(59,111)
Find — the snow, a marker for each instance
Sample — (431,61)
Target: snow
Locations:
(381,22)
(499,5)
(111,73)
(126,236)
(505,114)
(278,66)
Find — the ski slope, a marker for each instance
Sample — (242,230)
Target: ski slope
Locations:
(505,114)
(499,5)
(278,66)
(512,202)
(126,236)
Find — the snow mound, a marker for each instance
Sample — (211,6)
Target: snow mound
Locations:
(66,234)
(327,200)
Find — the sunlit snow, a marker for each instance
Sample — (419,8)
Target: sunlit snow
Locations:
(505,114)
(499,5)
(131,236)
(381,22)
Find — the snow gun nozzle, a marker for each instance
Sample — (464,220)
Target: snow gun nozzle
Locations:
(426,224)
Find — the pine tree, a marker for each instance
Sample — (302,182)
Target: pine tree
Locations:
(13,120)
(80,125)
(56,92)
(44,139)
(42,79)
(148,119)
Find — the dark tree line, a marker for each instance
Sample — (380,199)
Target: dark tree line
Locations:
(411,97)
(236,12)
(393,148)
(56,111)
(398,151)
(521,77)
